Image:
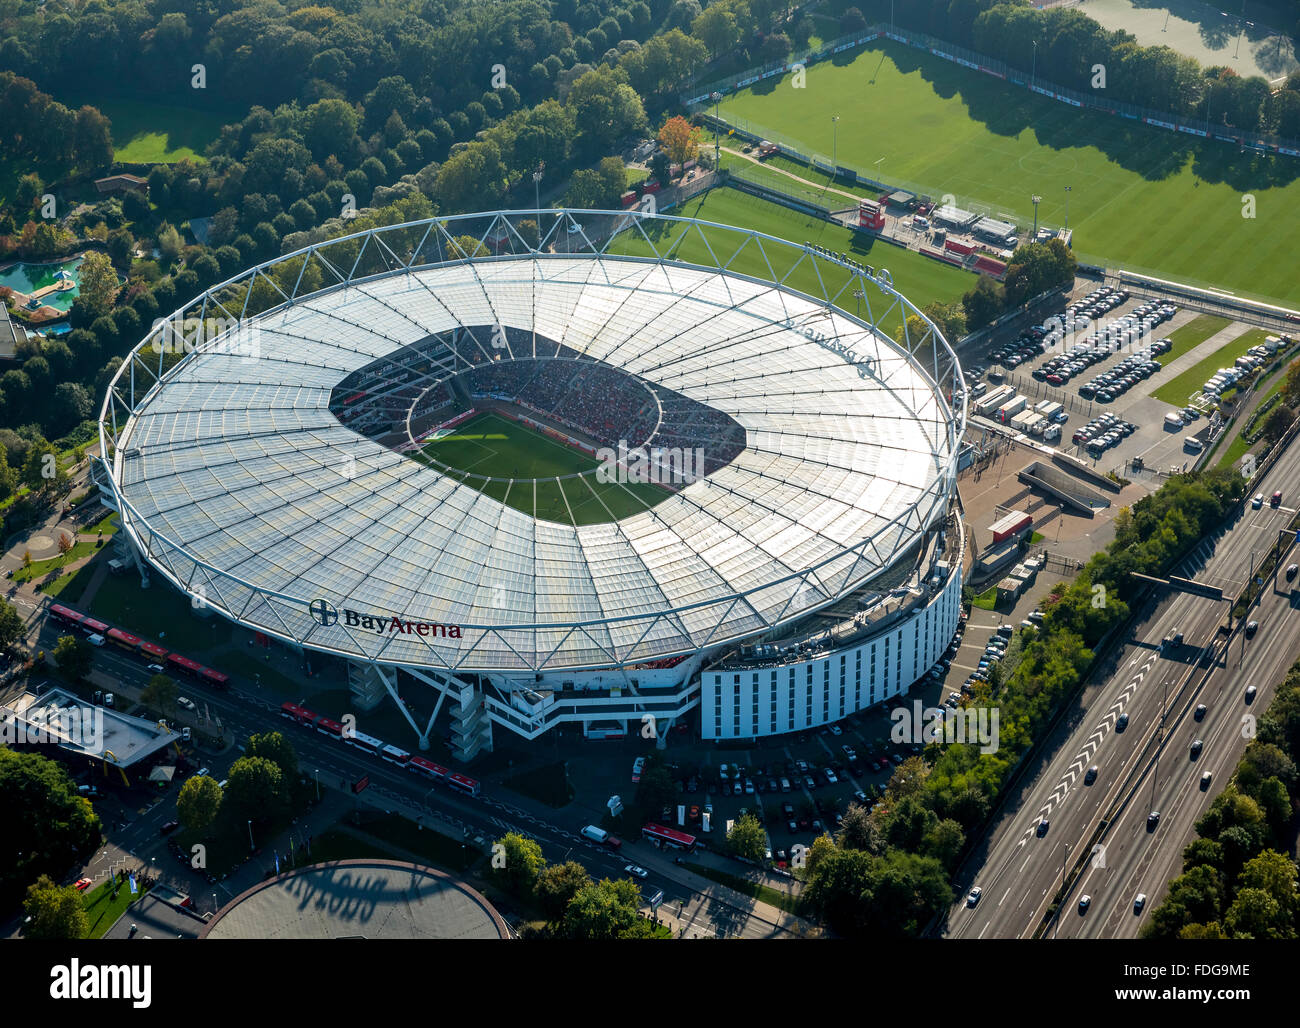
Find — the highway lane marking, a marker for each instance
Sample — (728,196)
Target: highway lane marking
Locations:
(984,929)
(1004,896)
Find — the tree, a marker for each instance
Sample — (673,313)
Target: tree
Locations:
(12,628)
(73,657)
(717,29)
(656,789)
(255,788)
(160,693)
(1277,422)
(169,242)
(59,829)
(278,750)
(1255,914)
(775,47)
(98,284)
(473,179)
(949,317)
(120,245)
(603,911)
(56,912)
(199,801)
(983,303)
(605,108)
(556,886)
(680,139)
(521,862)
(747,839)
(852,21)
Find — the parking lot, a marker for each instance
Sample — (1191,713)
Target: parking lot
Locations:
(1101,358)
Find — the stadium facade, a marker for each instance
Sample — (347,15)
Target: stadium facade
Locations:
(276,450)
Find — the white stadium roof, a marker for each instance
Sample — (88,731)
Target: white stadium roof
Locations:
(240,485)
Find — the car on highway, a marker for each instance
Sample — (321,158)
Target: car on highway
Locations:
(1251,628)
(1257,502)
(185,702)
(1122,723)
(1276,499)
(168,827)
(1196,748)
(973,896)
(836,730)
(1043,825)
(157,669)
(1250,694)
(1206,779)
(1291,571)
(1199,713)
(1091,775)
(1153,819)
(636,871)
(1085,901)
(1139,902)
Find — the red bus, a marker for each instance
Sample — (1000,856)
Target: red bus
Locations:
(124,640)
(190,667)
(427,767)
(67,615)
(668,838)
(158,653)
(293,712)
(462,784)
(91,625)
(327,727)
(214,678)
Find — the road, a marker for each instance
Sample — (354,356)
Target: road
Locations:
(1147,766)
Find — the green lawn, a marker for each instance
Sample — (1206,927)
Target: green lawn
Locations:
(103,909)
(920,279)
(154,133)
(1140,196)
(1193,334)
(40,568)
(494,446)
(753,890)
(1178,390)
(987,600)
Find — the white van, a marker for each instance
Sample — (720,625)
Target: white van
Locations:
(95,639)
(1192,444)
(595,834)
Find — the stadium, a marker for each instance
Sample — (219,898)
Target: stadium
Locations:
(530,461)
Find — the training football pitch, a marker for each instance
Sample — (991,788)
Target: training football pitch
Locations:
(528,471)
(1141,197)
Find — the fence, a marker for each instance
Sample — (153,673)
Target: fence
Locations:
(701,95)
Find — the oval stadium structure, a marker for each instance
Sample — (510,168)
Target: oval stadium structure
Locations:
(559,466)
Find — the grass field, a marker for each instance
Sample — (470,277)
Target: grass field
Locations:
(1140,196)
(494,446)
(1178,390)
(920,279)
(152,133)
(1193,334)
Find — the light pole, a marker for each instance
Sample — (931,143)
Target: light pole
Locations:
(717,131)
(537,187)
(1033,72)
(1035,199)
(251,844)
(835,138)
(1067,208)
(316,775)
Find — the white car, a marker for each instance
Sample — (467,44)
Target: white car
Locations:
(157,669)
(973,896)
(200,772)
(836,730)
(185,702)
(1258,501)
(635,871)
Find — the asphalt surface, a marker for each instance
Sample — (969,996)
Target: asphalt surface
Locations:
(1148,766)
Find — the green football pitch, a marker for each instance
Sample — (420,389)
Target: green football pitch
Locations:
(1140,197)
(533,474)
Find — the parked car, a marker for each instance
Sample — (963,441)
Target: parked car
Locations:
(635,870)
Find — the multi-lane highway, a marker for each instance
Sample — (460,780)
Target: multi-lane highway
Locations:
(1097,837)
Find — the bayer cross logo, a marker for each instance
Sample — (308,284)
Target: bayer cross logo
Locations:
(323,613)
